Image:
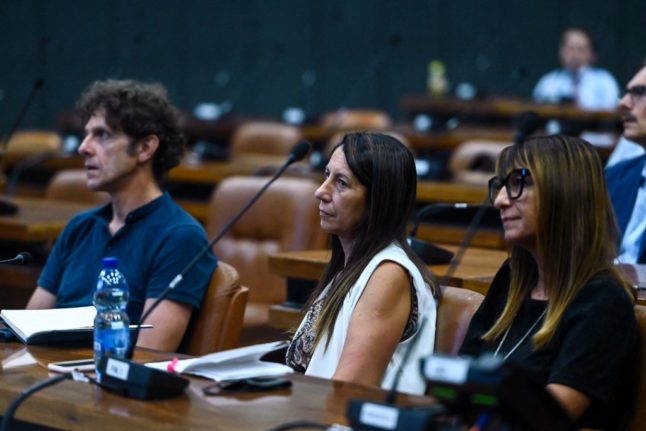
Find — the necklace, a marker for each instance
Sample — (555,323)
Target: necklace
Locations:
(504,337)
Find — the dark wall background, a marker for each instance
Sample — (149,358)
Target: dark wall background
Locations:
(266,55)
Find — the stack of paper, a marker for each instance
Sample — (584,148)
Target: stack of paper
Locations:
(235,364)
(51,325)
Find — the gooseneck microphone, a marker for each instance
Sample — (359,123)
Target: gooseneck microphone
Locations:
(298,152)
(526,124)
(427,251)
(22,257)
(142,382)
(7,207)
(363,414)
(38,84)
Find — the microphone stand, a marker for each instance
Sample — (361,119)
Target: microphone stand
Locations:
(364,414)
(427,251)
(7,207)
(139,381)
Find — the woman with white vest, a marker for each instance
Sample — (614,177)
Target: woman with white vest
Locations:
(375,301)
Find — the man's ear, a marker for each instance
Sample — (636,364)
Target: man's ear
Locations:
(147,147)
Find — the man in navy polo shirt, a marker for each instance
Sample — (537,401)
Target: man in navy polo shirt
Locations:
(132,139)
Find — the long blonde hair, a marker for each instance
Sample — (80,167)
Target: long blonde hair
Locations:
(576,230)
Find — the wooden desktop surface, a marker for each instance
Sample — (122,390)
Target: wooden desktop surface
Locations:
(475,272)
(76,405)
(37,219)
(477,264)
(505,107)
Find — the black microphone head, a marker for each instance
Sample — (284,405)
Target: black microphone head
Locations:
(24,257)
(39,83)
(299,151)
(526,124)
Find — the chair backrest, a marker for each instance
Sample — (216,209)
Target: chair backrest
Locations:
(28,142)
(261,137)
(337,137)
(639,416)
(454,313)
(285,218)
(71,185)
(217,324)
(356,119)
(474,161)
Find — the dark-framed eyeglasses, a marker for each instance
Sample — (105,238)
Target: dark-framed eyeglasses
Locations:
(514,183)
(636,92)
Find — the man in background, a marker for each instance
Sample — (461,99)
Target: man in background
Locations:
(627,179)
(578,81)
(133,138)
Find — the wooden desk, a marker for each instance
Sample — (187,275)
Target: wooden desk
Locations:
(449,140)
(53,162)
(37,219)
(475,272)
(450,191)
(500,107)
(75,405)
(476,264)
(211,172)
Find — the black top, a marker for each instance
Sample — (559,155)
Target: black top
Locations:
(594,349)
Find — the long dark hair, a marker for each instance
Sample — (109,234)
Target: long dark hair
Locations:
(386,168)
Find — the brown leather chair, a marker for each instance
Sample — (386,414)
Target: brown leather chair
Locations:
(29,142)
(639,417)
(71,185)
(474,161)
(337,137)
(365,119)
(217,324)
(454,313)
(264,138)
(285,218)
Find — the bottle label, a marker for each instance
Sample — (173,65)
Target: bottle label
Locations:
(117,325)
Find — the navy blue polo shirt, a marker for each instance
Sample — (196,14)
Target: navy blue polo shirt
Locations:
(157,241)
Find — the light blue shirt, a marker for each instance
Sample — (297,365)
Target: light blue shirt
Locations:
(596,88)
(624,150)
(632,239)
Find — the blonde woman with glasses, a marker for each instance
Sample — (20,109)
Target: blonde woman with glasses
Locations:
(558,307)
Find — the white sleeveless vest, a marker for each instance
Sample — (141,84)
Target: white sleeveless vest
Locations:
(324,361)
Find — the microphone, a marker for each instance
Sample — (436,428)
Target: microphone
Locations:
(38,84)
(364,414)
(22,257)
(455,212)
(27,163)
(139,381)
(526,124)
(7,207)
(428,252)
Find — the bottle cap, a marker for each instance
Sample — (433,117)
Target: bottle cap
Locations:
(110,262)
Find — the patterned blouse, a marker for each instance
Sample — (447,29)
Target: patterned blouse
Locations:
(302,346)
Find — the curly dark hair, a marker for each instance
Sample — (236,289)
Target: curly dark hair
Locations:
(138,109)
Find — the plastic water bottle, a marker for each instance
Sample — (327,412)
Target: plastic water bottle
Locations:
(111,332)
